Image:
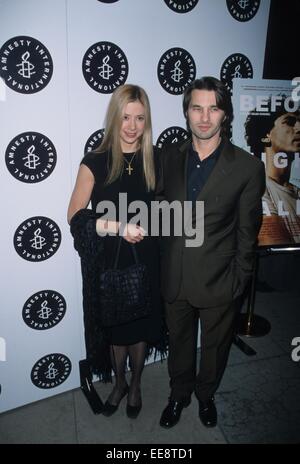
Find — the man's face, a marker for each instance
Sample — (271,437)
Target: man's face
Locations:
(203,115)
(285,134)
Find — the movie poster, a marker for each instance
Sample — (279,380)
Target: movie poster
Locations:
(267,124)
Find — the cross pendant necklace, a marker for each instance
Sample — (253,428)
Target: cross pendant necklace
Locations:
(129,169)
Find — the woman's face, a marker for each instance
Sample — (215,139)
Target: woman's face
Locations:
(132,127)
(285,134)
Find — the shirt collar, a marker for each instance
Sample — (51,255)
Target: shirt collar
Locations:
(214,155)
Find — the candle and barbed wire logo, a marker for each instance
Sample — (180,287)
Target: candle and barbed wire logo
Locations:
(181,6)
(105,67)
(26,65)
(51,370)
(171,135)
(236,65)
(176,70)
(94,140)
(44,310)
(37,239)
(243,10)
(30,157)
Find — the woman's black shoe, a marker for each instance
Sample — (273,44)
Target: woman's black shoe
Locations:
(109,408)
(133,411)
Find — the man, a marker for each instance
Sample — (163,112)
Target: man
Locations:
(204,282)
(277,135)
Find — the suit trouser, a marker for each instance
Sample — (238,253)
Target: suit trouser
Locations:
(217,329)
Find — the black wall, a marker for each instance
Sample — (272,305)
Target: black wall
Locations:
(282,46)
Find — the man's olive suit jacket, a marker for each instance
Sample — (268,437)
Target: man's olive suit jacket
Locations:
(216,272)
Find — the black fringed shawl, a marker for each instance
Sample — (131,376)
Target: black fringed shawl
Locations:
(90,248)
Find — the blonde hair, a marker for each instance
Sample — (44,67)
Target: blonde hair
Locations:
(123,95)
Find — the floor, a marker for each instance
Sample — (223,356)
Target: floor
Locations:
(258,401)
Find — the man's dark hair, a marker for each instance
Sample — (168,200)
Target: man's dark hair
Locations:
(223,99)
(258,124)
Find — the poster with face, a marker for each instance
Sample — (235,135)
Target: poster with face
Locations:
(267,124)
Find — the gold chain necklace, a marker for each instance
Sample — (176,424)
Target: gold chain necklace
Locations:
(129,168)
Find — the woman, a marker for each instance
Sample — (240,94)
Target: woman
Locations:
(124,163)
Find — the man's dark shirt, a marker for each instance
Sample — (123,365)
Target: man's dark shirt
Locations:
(199,171)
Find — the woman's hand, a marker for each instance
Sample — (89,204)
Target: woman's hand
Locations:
(132,233)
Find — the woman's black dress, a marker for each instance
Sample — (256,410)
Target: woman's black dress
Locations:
(148,329)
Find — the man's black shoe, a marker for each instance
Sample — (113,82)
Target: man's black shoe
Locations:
(171,414)
(208,413)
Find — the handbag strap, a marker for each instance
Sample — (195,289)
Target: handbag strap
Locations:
(134,252)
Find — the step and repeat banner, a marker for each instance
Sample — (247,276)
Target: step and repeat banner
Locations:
(60,60)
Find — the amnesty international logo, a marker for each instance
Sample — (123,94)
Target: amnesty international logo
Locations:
(30,157)
(94,140)
(176,70)
(51,370)
(25,64)
(44,310)
(243,10)
(37,239)
(181,6)
(236,65)
(173,134)
(105,67)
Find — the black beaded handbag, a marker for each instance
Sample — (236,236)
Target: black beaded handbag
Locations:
(124,293)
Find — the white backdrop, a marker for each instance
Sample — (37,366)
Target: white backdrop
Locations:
(66,110)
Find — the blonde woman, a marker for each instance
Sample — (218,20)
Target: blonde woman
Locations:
(124,163)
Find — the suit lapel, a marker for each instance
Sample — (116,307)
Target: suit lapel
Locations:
(181,171)
(222,169)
